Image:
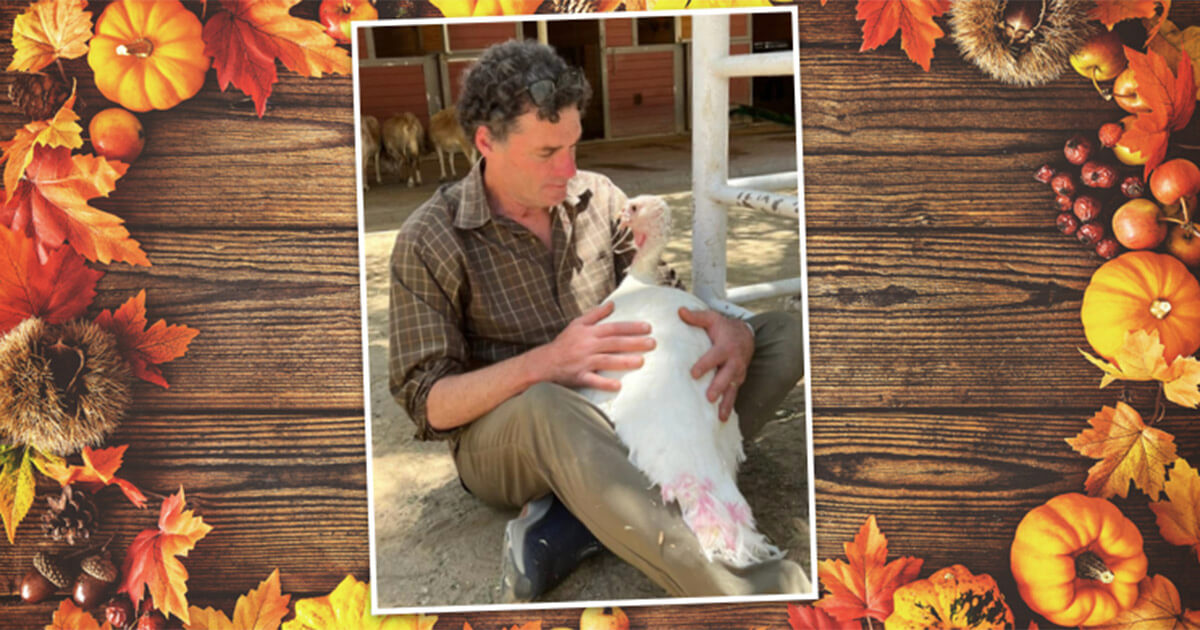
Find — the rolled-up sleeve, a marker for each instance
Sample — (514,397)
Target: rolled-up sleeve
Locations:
(426,341)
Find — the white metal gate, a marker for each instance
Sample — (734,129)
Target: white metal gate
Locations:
(712,190)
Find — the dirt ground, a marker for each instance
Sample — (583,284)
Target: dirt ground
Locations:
(435,545)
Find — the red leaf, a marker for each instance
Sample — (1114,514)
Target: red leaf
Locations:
(864,587)
(914,20)
(57,291)
(1171,98)
(248,36)
(144,348)
(150,561)
(99,469)
(809,618)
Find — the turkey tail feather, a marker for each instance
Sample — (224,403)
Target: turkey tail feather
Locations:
(721,520)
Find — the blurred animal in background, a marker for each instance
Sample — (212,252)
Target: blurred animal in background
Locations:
(447,136)
(370,149)
(402,136)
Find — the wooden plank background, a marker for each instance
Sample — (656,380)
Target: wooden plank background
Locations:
(944,321)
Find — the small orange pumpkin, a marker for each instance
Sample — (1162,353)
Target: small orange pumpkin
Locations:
(1142,290)
(148,54)
(950,598)
(1077,560)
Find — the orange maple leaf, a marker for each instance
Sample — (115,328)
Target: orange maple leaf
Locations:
(68,616)
(49,30)
(262,608)
(914,20)
(1109,12)
(864,587)
(810,618)
(1128,450)
(145,348)
(1157,608)
(99,469)
(57,291)
(473,8)
(247,37)
(1178,517)
(1171,98)
(59,131)
(151,563)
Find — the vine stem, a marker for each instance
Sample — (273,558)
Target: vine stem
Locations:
(1160,404)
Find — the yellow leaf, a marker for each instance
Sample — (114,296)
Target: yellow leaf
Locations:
(1128,450)
(16,488)
(1181,383)
(68,616)
(49,30)
(1178,517)
(208,619)
(1141,359)
(348,607)
(1171,41)
(1157,608)
(60,131)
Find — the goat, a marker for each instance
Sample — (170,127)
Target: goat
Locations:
(402,136)
(446,135)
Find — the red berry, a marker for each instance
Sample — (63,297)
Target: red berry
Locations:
(1133,187)
(1045,173)
(1099,175)
(1110,134)
(152,620)
(1090,233)
(1086,207)
(1067,223)
(1063,203)
(1108,248)
(118,611)
(1063,184)
(1078,149)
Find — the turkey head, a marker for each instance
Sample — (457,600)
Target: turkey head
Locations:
(649,217)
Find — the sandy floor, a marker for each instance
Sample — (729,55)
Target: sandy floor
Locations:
(435,545)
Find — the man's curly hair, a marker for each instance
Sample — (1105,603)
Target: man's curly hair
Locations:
(496,88)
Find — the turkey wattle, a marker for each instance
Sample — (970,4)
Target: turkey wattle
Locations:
(662,414)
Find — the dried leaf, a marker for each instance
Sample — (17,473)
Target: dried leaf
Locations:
(810,618)
(1181,382)
(68,616)
(17,487)
(348,607)
(248,36)
(1109,12)
(99,469)
(151,563)
(1171,98)
(142,347)
(1157,608)
(57,291)
(1128,450)
(60,131)
(261,609)
(914,20)
(1141,359)
(1172,42)
(49,30)
(1179,516)
(472,8)
(864,587)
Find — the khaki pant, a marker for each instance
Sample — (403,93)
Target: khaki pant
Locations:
(550,439)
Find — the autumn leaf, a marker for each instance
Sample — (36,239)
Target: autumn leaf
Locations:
(144,348)
(49,30)
(1178,517)
(57,291)
(151,562)
(1171,98)
(60,131)
(17,487)
(1172,42)
(810,618)
(1140,358)
(531,625)
(68,616)
(261,609)
(1128,450)
(99,469)
(914,20)
(1109,12)
(472,8)
(247,37)
(348,607)
(864,587)
(1157,608)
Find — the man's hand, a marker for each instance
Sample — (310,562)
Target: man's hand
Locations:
(585,348)
(732,349)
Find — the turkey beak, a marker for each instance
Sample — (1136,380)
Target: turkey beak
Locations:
(625,217)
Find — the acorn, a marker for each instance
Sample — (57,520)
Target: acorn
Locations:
(46,578)
(96,577)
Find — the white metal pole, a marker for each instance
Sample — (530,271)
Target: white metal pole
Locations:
(710,154)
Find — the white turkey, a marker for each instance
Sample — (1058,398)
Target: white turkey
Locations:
(661,413)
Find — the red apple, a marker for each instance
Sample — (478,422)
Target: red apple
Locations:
(1125,93)
(336,16)
(1183,242)
(1173,180)
(599,619)
(1139,224)
(1101,58)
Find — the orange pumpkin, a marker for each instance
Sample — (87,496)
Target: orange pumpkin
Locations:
(1077,560)
(148,54)
(1142,290)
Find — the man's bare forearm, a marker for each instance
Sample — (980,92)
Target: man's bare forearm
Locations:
(460,399)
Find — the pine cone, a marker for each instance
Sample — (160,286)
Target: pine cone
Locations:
(71,516)
(38,95)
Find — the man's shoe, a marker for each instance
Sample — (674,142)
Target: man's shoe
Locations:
(541,547)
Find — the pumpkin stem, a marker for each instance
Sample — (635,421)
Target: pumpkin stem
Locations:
(1089,566)
(1159,308)
(142,48)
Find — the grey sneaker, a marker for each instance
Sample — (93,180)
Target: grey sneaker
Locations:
(541,547)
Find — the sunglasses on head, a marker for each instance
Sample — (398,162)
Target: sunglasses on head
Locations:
(542,92)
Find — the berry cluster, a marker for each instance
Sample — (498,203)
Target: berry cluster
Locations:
(1087,189)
